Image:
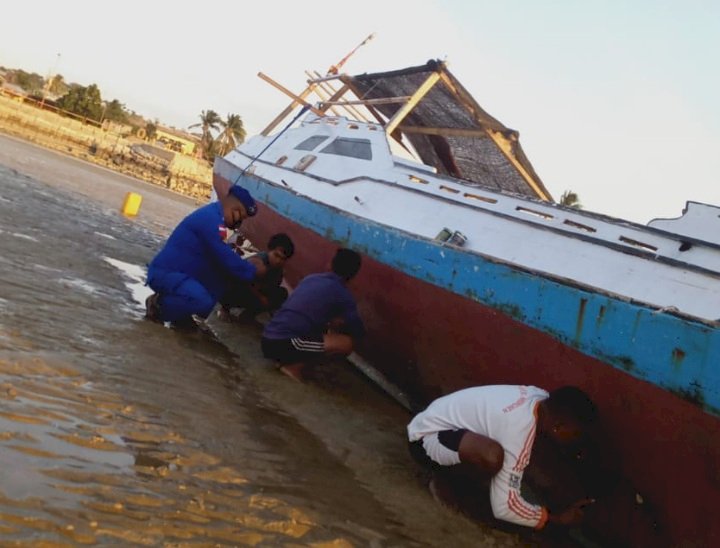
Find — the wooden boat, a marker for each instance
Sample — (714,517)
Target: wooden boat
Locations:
(473,275)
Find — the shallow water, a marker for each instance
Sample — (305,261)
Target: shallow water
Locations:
(114,430)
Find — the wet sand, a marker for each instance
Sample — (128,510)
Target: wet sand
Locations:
(114,430)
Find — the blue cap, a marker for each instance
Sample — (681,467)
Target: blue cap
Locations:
(244,196)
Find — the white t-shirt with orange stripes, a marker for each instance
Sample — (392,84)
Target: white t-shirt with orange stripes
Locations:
(508,415)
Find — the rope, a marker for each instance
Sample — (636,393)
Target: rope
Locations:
(302,111)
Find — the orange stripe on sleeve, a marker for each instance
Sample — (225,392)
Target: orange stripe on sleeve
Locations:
(522,510)
(524,456)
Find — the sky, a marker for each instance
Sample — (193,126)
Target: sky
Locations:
(617,101)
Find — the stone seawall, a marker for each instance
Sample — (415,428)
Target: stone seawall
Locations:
(112,149)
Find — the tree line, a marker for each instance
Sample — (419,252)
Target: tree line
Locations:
(84,101)
(218,136)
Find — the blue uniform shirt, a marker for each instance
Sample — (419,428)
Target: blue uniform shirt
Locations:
(196,248)
(317,299)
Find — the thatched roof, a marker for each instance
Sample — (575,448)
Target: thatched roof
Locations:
(449,130)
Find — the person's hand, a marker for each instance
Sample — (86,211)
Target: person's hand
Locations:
(573,515)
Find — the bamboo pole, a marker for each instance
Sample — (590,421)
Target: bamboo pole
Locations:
(352,110)
(321,79)
(297,99)
(323,105)
(444,131)
(364,102)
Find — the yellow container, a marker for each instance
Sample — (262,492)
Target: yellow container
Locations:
(131,205)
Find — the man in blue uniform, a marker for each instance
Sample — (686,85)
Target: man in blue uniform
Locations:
(319,318)
(192,270)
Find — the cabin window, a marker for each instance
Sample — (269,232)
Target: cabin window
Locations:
(352,148)
(311,142)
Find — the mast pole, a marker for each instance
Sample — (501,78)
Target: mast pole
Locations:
(299,99)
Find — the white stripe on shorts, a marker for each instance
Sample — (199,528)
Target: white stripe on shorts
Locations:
(438,452)
(308,346)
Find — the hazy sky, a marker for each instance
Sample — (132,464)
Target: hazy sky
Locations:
(616,100)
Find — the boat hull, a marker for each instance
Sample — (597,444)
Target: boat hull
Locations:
(432,340)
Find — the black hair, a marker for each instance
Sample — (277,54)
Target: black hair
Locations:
(282,241)
(346,263)
(572,403)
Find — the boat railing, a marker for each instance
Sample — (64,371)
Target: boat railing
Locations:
(638,239)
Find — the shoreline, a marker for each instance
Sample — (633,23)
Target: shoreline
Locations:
(107,148)
(160,210)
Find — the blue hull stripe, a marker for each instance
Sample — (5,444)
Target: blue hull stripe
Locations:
(674,353)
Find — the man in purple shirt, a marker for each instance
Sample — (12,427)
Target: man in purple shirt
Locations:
(319,318)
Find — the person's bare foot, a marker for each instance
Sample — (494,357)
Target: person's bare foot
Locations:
(294,371)
(224,314)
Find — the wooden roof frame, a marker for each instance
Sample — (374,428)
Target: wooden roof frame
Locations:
(331,98)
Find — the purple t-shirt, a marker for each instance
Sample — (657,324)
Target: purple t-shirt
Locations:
(317,299)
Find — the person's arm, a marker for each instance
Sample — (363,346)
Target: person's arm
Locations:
(507,502)
(261,279)
(224,254)
(353,324)
(509,505)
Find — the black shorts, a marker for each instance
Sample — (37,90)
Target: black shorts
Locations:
(298,349)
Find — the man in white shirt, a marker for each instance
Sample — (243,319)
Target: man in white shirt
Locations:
(493,428)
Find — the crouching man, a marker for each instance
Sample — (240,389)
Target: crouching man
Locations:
(492,429)
(319,318)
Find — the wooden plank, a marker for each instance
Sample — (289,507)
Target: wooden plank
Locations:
(338,93)
(379,101)
(352,110)
(444,131)
(321,79)
(324,96)
(297,99)
(400,115)
(347,80)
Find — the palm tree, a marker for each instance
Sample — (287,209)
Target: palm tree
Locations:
(570,199)
(209,120)
(232,135)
